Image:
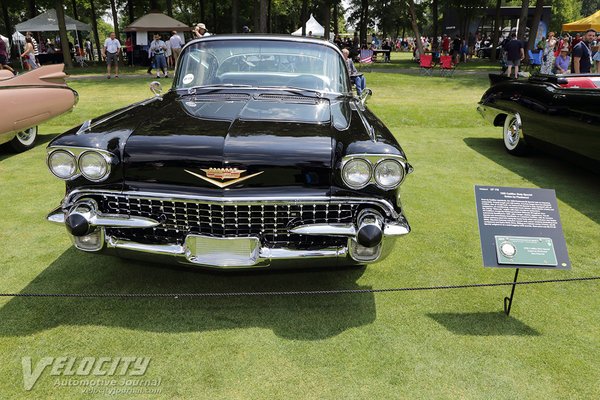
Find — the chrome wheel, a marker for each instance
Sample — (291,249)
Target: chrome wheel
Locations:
(513,135)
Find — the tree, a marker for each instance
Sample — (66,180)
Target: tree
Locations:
(326,18)
(235,5)
(62,29)
(262,19)
(115,17)
(523,20)
(413,17)
(537,17)
(95,29)
(497,29)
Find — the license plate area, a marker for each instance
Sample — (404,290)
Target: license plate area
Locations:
(222,252)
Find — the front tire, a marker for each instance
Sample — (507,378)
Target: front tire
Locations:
(512,135)
(24,140)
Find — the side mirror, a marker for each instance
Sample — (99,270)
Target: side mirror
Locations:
(156,88)
(364,96)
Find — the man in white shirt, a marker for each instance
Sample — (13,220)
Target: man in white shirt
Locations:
(176,44)
(158,48)
(110,51)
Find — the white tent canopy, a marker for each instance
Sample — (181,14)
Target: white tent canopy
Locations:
(48,22)
(312,26)
(18,37)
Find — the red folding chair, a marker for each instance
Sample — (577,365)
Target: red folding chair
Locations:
(426,64)
(446,66)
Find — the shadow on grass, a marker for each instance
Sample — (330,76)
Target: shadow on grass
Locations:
(483,324)
(577,187)
(41,140)
(293,317)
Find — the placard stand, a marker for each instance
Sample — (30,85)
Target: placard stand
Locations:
(508,300)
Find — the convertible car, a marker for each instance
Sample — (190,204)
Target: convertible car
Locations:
(558,114)
(30,99)
(260,155)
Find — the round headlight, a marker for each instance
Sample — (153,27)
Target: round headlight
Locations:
(93,165)
(356,173)
(389,174)
(62,164)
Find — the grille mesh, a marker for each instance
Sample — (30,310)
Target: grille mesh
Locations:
(270,222)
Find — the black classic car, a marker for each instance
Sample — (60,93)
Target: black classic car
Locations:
(558,114)
(259,155)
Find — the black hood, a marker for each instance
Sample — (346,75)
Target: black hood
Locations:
(285,140)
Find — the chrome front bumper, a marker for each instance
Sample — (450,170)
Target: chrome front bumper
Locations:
(224,252)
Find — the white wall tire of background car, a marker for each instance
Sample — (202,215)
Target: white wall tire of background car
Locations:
(24,140)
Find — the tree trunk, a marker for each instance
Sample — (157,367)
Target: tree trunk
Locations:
(30,7)
(436,17)
(335,17)
(169,4)
(235,6)
(214,16)
(62,29)
(364,18)
(76,16)
(95,29)
(6,17)
(326,18)
(269,16)
(130,11)
(537,17)
(115,18)
(523,20)
(303,16)
(256,16)
(202,12)
(263,16)
(154,5)
(497,29)
(413,20)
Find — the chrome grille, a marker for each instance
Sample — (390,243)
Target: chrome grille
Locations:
(270,222)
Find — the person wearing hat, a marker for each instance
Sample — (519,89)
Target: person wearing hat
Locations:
(200,31)
(562,61)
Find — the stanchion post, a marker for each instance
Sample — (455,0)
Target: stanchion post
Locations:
(508,300)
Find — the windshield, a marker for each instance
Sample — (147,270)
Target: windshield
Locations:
(262,63)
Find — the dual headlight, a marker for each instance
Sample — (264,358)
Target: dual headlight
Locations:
(94,165)
(385,171)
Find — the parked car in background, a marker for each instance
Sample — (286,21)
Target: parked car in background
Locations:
(558,114)
(28,100)
(258,156)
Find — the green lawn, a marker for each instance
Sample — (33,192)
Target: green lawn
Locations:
(414,345)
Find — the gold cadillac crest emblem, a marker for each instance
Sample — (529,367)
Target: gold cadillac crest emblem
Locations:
(227,176)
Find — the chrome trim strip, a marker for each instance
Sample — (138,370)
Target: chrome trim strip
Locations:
(76,194)
(122,221)
(166,249)
(56,216)
(325,230)
(396,229)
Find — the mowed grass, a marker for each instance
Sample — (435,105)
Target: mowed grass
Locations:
(414,345)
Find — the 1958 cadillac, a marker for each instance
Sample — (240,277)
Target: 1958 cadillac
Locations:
(558,114)
(30,99)
(258,156)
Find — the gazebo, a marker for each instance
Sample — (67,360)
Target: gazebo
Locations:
(155,22)
(589,22)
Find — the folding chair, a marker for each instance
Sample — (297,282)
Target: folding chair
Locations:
(446,66)
(535,59)
(366,58)
(426,64)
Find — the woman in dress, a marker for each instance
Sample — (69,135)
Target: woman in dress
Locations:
(29,53)
(548,57)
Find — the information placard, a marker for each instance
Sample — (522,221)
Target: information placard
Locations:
(520,227)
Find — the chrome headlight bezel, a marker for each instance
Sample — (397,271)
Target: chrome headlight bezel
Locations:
(379,165)
(105,165)
(70,156)
(77,153)
(374,160)
(351,163)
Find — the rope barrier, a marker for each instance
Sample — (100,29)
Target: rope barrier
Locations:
(296,292)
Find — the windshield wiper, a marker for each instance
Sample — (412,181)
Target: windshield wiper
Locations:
(213,87)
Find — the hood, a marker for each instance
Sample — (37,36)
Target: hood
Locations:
(231,142)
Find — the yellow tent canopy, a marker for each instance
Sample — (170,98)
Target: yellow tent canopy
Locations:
(590,22)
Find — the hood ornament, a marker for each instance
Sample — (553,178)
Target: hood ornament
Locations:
(227,176)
